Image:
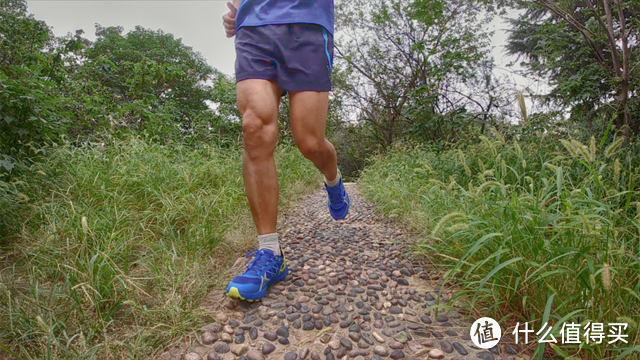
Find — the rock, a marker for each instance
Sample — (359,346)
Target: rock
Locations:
(291,356)
(380,350)
(222,317)
(436,354)
(254,354)
(221,347)
(253,333)
(268,348)
(395,310)
(358,352)
(303,353)
(283,332)
(239,349)
(315,355)
(460,349)
(269,335)
(377,336)
(485,355)
(192,356)
(334,344)
(209,337)
(397,354)
(401,337)
(446,346)
(396,345)
(346,343)
(226,338)
(212,355)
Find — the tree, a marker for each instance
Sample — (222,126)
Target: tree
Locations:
(158,83)
(27,65)
(400,55)
(586,49)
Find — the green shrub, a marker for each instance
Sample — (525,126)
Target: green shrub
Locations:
(537,231)
(116,249)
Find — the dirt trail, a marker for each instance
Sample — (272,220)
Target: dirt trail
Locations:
(352,291)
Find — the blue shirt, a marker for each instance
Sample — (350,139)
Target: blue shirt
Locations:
(277,12)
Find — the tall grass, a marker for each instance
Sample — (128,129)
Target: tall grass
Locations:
(540,231)
(120,243)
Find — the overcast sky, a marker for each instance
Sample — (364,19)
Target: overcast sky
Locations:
(198,23)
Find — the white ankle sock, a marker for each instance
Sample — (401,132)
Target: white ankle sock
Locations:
(335,181)
(270,241)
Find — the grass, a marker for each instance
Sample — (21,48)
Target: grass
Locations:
(541,231)
(118,244)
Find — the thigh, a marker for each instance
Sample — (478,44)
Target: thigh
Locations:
(258,101)
(308,112)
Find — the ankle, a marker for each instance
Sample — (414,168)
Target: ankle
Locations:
(270,241)
(335,181)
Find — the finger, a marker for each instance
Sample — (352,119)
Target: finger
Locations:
(233,9)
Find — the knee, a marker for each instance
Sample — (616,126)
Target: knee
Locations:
(259,138)
(310,147)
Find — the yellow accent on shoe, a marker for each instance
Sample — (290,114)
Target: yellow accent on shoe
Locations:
(234,293)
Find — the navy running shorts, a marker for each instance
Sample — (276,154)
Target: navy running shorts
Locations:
(298,57)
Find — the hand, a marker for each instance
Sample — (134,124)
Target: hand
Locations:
(229,20)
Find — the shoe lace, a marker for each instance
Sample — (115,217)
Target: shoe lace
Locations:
(335,194)
(262,259)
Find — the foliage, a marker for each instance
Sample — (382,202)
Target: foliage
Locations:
(119,245)
(587,50)
(531,231)
(406,64)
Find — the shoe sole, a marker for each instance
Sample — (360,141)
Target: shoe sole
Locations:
(234,293)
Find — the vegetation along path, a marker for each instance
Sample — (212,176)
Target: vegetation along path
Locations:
(352,290)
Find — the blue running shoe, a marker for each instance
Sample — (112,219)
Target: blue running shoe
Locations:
(338,200)
(264,270)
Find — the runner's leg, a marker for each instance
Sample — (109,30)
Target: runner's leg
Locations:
(308,121)
(258,102)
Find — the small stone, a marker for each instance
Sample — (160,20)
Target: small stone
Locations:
(270,335)
(239,349)
(354,328)
(358,352)
(228,329)
(397,354)
(346,343)
(363,344)
(212,355)
(380,350)
(268,348)
(315,355)
(395,310)
(222,317)
(510,349)
(485,355)
(308,326)
(446,346)
(290,356)
(401,337)
(303,353)
(425,319)
(254,354)
(284,341)
(253,333)
(209,337)
(442,318)
(283,332)
(221,347)
(377,336)
(460,349)
(396,345)
(436,354)
(239,339)
(192,356)
(334,344)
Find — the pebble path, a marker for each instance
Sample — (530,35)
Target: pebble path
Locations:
(352,293)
